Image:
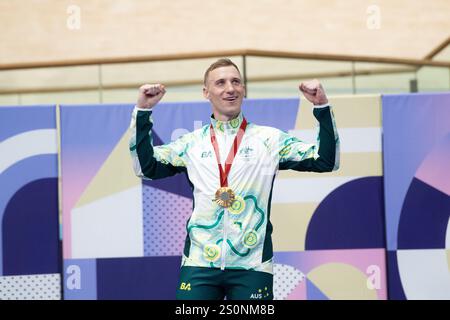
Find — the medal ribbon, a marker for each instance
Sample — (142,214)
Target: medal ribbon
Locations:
(231,154)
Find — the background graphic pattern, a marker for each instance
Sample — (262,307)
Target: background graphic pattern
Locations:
(31,287)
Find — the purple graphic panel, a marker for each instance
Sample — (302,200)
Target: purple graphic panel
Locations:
(165,217)
(29,240)
(350,217)
(413,125)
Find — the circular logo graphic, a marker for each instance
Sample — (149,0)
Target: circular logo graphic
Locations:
(211,252)
(250,239)
(237,206)
(234,123)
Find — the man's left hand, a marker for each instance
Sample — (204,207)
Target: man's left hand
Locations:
(314,92)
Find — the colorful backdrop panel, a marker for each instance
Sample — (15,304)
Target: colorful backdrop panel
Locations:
(326,218)
(341,209)
(331,274)
(417,194)
(30,259)
(329,229)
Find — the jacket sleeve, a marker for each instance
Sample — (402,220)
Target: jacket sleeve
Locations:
(151,162)
(323,156)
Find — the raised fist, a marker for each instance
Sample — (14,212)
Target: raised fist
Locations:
(313,92)
(149,95)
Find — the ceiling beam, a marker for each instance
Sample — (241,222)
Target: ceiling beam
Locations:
(229,53)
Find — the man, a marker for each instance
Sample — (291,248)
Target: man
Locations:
(231,164)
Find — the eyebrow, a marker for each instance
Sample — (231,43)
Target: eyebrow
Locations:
(223,79)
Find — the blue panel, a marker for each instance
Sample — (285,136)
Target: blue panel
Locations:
(424,218)
(19,175)
(278,113)
(80,279)
(98,123)
(412,124)
(314,293)
(395,288)
(350,217)
(181,116)
(18,119)
(153,278)
(30,230)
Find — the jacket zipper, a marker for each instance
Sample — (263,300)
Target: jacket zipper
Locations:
(224,242)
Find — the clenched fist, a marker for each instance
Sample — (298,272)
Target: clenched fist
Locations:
(149,95)
(314,92)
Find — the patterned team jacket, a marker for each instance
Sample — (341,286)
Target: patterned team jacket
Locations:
(237,237)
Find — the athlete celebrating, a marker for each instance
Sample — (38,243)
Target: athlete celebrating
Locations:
(228,248)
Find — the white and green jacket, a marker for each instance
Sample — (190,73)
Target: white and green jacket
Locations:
(238,237)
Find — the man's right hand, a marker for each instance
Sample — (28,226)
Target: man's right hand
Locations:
(149,95)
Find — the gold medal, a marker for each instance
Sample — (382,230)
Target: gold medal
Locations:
(225,197)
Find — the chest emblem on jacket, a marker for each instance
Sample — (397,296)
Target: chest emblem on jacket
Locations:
(246,152)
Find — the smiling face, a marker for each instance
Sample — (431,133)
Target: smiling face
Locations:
(225,90)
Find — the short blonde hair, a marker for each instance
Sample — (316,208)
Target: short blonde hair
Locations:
(223,62)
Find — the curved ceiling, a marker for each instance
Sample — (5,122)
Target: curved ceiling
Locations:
(34,31)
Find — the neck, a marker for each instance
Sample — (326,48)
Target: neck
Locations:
(224,117)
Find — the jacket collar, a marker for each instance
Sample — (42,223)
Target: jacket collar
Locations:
(228,127)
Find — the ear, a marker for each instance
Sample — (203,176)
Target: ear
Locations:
(205,92)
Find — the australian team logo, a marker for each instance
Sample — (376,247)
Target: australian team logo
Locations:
(246,152)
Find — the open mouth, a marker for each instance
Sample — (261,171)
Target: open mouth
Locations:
(230,99)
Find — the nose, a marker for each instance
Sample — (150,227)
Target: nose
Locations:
(229,88)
